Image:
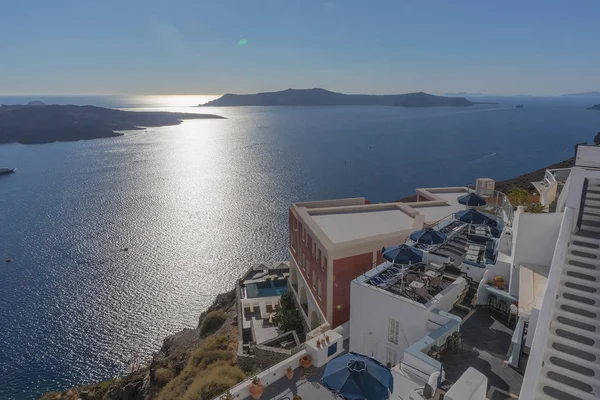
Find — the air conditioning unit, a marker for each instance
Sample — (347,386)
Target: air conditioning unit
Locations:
(485,186)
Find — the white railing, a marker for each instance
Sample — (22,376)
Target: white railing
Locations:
(501,206)
(560,174)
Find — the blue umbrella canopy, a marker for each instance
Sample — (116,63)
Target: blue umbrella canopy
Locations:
(402,254)
(472,199)
(357,377)
(428,236)
(475,217)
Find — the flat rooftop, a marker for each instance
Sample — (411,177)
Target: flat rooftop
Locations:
(352,225)
(435,212)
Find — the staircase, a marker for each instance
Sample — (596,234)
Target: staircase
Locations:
(571,363)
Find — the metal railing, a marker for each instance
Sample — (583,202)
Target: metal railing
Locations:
(498,203)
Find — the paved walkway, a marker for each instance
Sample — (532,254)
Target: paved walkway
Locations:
(486,341)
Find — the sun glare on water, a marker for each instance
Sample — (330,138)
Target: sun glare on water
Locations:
(177,100)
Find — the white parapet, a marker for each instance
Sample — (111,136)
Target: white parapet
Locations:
(472,385)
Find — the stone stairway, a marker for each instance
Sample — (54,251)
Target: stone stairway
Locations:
(571,362)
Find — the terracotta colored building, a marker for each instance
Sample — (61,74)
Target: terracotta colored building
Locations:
(332,242)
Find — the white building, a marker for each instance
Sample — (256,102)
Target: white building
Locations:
(565,352)
(385,321)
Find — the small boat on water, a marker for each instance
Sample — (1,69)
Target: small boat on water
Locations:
(4,170)
(519,106)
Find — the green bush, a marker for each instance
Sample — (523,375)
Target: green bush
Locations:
(287,316)
(518,197)
(163,376)
(535,208)
(212,322)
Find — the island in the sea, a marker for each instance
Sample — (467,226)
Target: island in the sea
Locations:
(38,123)
(584,94)
(596,107)
(322,97)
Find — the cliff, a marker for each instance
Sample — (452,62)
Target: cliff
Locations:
(322,97)
(596,107)
(38,123)
(173,371)
(518,182)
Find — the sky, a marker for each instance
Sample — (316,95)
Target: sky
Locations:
(539,47)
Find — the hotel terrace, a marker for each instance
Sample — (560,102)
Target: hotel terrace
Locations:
(497,303)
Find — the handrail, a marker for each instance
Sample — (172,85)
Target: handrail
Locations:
(582,202)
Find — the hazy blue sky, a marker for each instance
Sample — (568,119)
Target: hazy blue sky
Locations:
(370,46)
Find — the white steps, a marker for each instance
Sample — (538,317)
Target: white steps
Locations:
(571,361)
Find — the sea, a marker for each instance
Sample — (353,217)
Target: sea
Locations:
(197,204)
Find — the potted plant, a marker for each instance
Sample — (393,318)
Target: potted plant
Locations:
(305,361)
(296,397)
(499,282)
(327,338)
(256,388)
(289,373)
(322,342)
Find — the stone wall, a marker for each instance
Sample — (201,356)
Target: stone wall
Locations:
(266,356)
(240,316)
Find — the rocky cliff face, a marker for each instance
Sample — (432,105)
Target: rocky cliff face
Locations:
(145,381)
(596,107)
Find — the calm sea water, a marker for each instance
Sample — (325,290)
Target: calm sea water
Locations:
(197,204)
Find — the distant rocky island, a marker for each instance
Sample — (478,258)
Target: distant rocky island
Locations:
(584,94)
(322,97)
(596,107)
(37,123)
(462,94)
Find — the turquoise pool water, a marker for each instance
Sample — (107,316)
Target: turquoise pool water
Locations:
(266,289)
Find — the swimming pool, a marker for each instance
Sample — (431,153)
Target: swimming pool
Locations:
(266,289)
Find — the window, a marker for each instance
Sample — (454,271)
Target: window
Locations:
(293,241)
(303,231)
(324,263)
(314,280)
(295,224)
(320,290)
(314,249)
(319,258)
(331,350)
(300,257)
(392,357)
(307,267)
(393,329)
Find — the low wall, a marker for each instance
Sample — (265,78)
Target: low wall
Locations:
(267,377)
